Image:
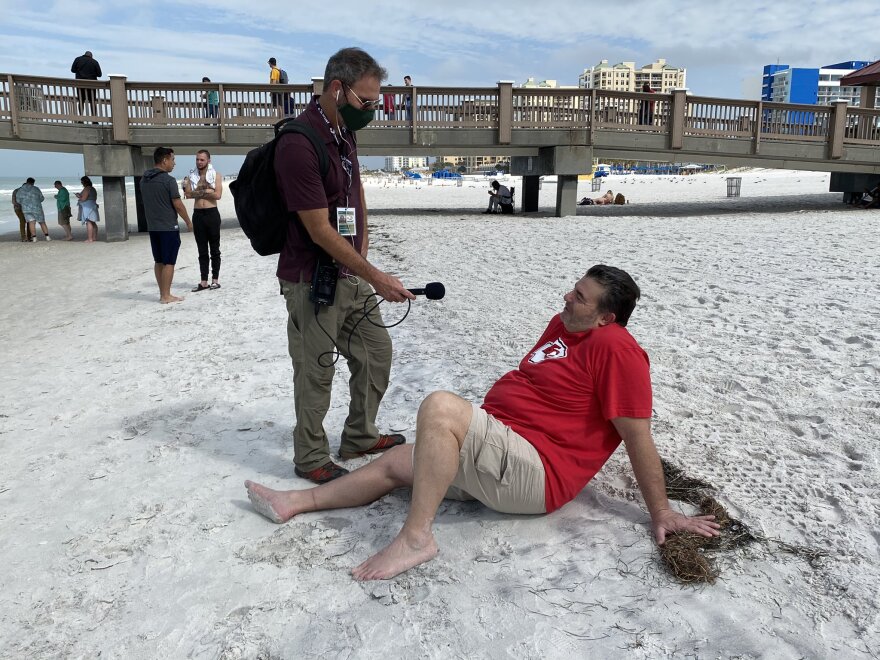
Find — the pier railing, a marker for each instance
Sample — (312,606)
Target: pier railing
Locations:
(124,105)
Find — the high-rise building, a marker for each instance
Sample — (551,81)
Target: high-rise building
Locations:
(625,77)
(397,163)
(785,84)
(767,80)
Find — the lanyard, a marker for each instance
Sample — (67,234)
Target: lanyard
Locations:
(343,157)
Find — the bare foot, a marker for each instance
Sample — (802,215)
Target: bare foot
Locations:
(400,555)
(69,238)
(170,299)
(273,504)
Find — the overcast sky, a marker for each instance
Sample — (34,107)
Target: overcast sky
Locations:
(723,46)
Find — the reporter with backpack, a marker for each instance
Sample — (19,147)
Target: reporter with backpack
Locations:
(318,179)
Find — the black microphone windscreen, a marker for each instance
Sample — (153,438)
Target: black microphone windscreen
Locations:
(434,290)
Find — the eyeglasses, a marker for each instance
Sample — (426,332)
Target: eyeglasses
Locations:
(366,105)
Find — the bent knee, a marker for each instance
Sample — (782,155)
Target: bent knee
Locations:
(447,411)
(443,404)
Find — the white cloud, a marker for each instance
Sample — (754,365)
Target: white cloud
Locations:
(455,43)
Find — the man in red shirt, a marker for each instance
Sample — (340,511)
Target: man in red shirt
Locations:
(544,430)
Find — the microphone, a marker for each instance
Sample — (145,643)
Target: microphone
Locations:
(432,291)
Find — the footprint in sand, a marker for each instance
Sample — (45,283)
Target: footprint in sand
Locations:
(729,385)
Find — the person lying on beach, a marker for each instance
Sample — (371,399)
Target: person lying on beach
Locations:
(543,432)
(607,198)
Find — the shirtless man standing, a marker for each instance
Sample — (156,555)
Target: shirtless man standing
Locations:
(205,185)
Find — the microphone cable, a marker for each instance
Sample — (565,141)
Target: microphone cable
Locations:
(336,352)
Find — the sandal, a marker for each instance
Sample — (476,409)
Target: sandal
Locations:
(214,285)
(201,288)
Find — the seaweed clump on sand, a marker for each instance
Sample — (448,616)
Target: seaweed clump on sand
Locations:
(686,555)
(689,557)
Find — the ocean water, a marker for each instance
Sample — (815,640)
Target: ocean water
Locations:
(8,219)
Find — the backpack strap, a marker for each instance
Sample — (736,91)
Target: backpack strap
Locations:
(291,125)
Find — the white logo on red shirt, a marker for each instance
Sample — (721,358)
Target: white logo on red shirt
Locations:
(552,350)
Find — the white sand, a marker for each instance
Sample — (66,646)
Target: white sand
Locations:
(128,427)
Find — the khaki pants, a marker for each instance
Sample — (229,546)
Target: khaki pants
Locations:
(498,467)
(368,358)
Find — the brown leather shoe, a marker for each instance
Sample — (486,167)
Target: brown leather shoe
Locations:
(385,442)
(321,475)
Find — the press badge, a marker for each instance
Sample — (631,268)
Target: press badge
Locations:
(346,223)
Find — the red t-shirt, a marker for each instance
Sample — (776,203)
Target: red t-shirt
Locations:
(564,395)
(298,175)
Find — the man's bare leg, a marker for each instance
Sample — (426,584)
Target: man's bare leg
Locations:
(393,469)
(164,276)
(442,424)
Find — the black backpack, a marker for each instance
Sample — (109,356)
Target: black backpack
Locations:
(261,211)
(283,80)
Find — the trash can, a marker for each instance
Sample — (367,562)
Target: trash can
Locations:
(597,183)
(733,186)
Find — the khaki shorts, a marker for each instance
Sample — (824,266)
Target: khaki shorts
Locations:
(64,216)
(499,468)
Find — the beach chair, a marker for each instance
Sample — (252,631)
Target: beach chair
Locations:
(508,207)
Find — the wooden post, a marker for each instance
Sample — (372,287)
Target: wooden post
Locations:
(119,108)
(317,86)
(159,110)
(759,127)
(868,96)
(13,105)
(838,128)
(867,100)
(594,97)
(676,125)
(505,110)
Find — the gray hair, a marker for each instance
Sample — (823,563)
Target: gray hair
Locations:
(350,65)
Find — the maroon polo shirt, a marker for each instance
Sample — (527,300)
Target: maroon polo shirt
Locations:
(298,175)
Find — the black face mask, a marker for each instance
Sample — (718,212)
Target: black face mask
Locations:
(355,119)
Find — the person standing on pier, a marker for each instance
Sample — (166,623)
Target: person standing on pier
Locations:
(205,185)
(278,76)
(407,99)
(86,67)
(646,108)
(212,101)
(162,205)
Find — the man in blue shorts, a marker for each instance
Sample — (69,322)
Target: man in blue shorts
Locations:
(162,205)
